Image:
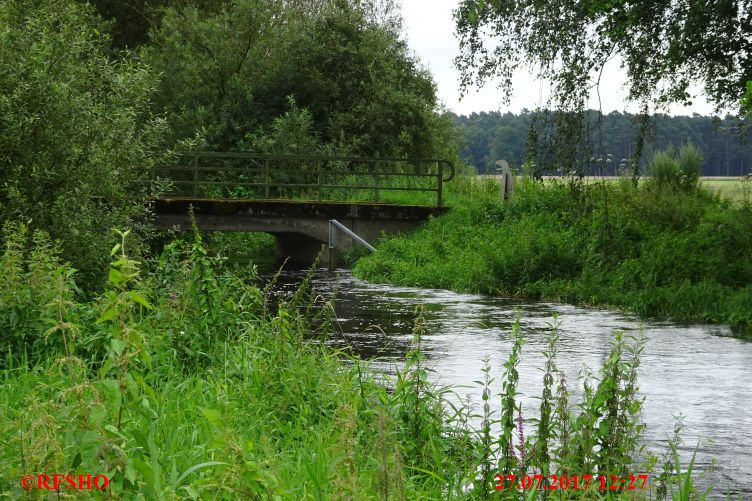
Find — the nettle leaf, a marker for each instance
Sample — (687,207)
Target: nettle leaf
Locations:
(97,415)
(213,416)
(115,277)
(140,299)
(144,469)
(130,471)
(107,315)
(117,346)
(111,389)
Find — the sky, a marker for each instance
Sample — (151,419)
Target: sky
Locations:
(429,30)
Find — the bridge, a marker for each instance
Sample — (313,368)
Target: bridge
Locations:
(296,197)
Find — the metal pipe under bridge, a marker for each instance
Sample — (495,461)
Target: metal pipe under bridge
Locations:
(294,197)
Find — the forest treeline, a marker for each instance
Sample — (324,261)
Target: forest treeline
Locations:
(490,136)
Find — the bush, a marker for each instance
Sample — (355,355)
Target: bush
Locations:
(690,165)
(683,171)
(664,168)
(76,129)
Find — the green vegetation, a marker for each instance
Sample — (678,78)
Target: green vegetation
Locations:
(76,129)
(294,77)
(656,43)
(180,381)
(178,376)
(656,46)
(666,248)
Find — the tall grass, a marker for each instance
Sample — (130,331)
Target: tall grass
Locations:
(181,381)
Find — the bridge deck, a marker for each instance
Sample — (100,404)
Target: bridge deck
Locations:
(294,209)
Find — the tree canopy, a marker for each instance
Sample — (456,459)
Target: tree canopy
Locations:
(229,73)
(76,129)
(665,47)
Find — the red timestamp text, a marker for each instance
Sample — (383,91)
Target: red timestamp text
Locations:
(571,482)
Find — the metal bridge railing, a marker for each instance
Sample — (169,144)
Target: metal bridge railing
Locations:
(334,227)
(323,178)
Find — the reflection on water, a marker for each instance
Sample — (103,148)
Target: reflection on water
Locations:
(698,371)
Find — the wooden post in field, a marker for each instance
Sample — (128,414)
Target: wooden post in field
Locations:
(507,179)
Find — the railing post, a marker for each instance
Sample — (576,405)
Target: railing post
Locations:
(440,181)
(195,176)
(318,180)
(376,178)
(266,178)
(332,247)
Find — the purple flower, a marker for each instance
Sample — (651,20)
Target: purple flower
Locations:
(521,434)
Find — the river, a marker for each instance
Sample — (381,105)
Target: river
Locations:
(700,371)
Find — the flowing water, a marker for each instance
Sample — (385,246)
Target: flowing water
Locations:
(700,372)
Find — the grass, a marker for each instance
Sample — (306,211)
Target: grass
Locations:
(731,188)
(182,381)
(734,189)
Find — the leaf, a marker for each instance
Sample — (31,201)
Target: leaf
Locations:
(76,461)
(130,471)
(140,299)
(213,416)
(198,467)
(97,415)
(117,346)
(154,454)
(115,249)
(107,315)
(145,470)
(106,366)
(144,386)
(111,389)
(115,277)
(112,429)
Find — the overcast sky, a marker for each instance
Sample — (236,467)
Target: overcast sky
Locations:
(429,28)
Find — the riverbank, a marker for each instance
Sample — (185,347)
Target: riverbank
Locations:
(182,380)
(660,252)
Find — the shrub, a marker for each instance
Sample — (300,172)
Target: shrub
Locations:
(664,168)
(690,165)
(76,129)
(678,171)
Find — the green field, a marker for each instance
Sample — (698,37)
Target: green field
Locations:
(733,188)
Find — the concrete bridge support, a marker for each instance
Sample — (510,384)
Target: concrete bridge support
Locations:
(301,228)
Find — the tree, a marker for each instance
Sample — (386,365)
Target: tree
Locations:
(76,133)
(229,74)
(664,46)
